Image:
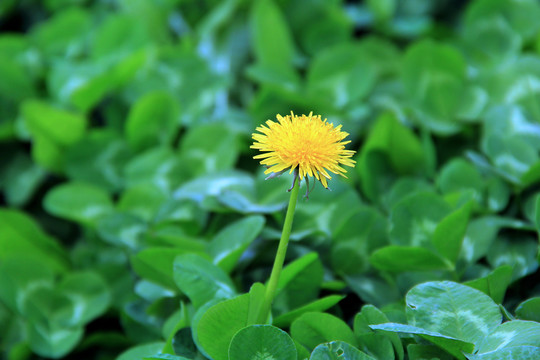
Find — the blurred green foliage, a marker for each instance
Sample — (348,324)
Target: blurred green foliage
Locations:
(135,223)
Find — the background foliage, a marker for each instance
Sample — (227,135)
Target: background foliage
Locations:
(135,222)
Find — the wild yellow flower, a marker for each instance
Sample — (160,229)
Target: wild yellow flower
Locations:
(304,144)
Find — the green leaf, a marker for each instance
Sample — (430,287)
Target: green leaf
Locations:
(143,201)
(453,310)
(529,309)
(511,155)
(377,345)
(373,289)
(537,214)
(55,311)
(491,42)
(403,187)
(98,159)
(51,320)
(21,237)
(329,212)
(121,230)
(261,197)
(528,207)
(176,322)
(407,258)
(511,334)
(209,148)
(382,10)
(156,264)
(494,284)
(519,253)
(91,90)
(422,352)
(140,351)
(349,256)
(118,34)
(152,292)
(229,244)
(474,101)
(458,175)
(50,142)
(314,328)
(79,202)
(520,15)
(517,352)
(301,350)
(63,34)
(16,84)
(185,213)
(152,120)
(159,166)
(208,189)
(450,344)
(201,280)
(53,341)
(257,294)
(102,79)
(341,74)
(175,236)
(220,323)
(21,273)
(398,142)
(334,25)
(512,120)
(299,283)
(165,357)
(380,345)
(264,342)
(365,228)
(498,194)
(480,235)
(318,305)
(40,116)
(376,173)
(272,39)
(433,77)
(47,154)
(285,78)
(415,218)
(337,350)
(382,53)
(22,178)
(90,294)
(449,233)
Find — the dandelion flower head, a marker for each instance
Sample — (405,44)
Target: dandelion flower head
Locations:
(307,144)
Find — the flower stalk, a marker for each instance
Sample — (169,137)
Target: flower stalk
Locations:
(280,255)
(309,147)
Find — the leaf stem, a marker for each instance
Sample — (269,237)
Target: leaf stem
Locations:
(280,255)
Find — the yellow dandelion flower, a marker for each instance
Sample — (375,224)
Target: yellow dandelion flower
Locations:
(304,144)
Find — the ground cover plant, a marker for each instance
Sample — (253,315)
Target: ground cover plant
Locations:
(135,223)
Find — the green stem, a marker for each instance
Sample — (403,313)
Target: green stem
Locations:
(280,255)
